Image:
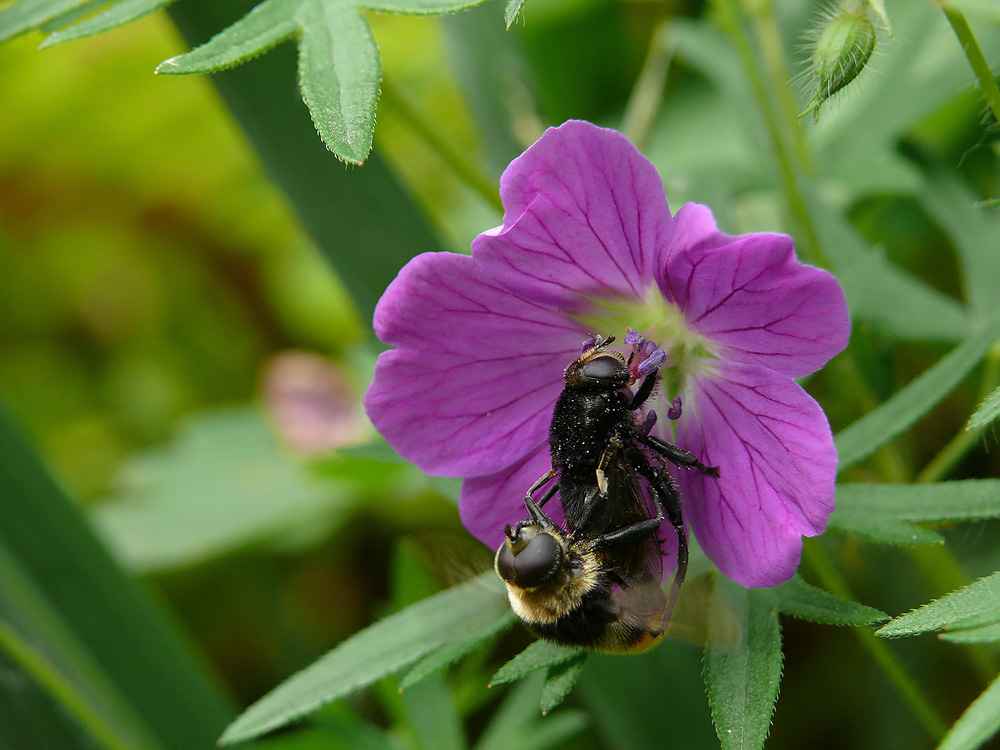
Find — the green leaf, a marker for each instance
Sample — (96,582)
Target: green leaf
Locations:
(266,26)
(742,663)
(987,411)
(879,293)
(878,427)
(339,72)
(889,512)
(960,500)
(635,702)
(59,590)
(73,15)
(431,712)
(511,11)
(32,719)
(224,482)
(27,15)
(339,67)
(44,648)
(974,232)
(119,14)
(553,732)
(363,221)
(978,723)
(418,7)
(451,652)
(541,654)
(982,634)
(517,724)
(377,651)
(514,716)
(560,681)
(895,303)
(803,600)
(885,530)
(970,606)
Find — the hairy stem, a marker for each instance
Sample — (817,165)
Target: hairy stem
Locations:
(455,161)
(765,26)
(987,81)
(764,90)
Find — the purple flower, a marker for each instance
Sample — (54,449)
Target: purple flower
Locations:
(588,246)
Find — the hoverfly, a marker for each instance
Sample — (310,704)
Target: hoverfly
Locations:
(597,584)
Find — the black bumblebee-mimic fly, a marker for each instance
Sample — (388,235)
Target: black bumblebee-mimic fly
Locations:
(597,584)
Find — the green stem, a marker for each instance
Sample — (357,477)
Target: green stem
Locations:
(947,458)
(647,93)
(887,660)
(774,94)
(459,165)
(731,18)
(942,464)
(991,92)
(772,50)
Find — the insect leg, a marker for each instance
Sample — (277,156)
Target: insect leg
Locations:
(547,476)
(645,390)
(549,493)
(669,502)
(536,514)
(628,534)
(678,456)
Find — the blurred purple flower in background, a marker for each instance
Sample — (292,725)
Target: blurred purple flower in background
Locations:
(311,404)
(588,246)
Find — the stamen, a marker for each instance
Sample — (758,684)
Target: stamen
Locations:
(653,362)
(647,424)
(589,344)
(674,412)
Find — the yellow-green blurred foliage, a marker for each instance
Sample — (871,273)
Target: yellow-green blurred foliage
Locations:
(146,264)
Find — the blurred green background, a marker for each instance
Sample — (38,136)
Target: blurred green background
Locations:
(151,272)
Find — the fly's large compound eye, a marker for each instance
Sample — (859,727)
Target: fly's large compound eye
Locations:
(605,370)
(534,564)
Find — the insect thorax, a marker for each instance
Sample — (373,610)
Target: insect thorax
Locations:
(583,425)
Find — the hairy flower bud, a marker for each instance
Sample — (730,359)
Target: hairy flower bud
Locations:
(842,47)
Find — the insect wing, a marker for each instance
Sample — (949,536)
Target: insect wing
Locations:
(642,606)
(628,505)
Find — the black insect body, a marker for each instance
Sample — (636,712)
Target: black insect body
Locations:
(598,583)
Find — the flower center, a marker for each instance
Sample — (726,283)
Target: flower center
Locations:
(688,353)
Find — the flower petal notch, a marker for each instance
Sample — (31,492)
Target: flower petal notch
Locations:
(588,247)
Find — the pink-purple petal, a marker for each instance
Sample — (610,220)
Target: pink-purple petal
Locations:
(469,388)
(753,296)
(487,503)
(585,215)
(777,463)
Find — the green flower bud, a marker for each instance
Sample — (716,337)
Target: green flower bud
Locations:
(842,49)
